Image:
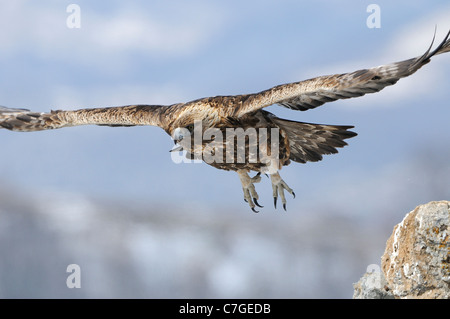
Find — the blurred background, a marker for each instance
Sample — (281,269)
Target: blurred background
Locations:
(140,226)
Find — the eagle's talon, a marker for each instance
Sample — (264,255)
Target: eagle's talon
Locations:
(256,203)
(278,187)
(250,194)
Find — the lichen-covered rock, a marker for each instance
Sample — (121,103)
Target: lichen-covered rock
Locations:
(416,263)
(372,285)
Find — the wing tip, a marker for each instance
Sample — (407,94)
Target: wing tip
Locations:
(444,46)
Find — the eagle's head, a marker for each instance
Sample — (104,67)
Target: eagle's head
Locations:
(192,121)
(182,133)
(185,133)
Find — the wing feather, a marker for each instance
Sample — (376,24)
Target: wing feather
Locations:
(23,120)
(317,91)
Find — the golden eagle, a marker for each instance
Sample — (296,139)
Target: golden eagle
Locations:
(283,140)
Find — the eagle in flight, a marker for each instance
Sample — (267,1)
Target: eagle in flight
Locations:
(188,122)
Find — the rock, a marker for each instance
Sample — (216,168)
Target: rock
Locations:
(372,285)
(416,263)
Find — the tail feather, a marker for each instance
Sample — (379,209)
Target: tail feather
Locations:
(308,141)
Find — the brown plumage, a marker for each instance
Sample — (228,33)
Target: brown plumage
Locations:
(216,116)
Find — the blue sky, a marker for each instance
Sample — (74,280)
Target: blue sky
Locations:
(154,52)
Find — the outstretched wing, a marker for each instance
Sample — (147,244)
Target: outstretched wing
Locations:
(23,120)
(314,92)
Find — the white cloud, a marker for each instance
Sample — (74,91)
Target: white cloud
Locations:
(107,42)
(134,30)
(42,26)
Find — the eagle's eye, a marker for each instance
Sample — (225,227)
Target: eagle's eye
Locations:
(190,127)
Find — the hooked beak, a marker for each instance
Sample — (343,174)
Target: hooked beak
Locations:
(176,148)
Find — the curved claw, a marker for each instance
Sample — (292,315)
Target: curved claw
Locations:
(256,203)
(248,187)
(278,187)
